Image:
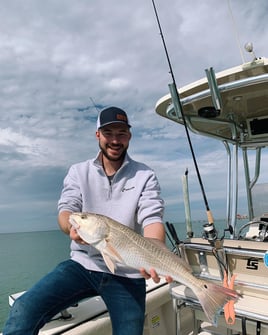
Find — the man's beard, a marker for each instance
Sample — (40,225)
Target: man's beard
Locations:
(119,158)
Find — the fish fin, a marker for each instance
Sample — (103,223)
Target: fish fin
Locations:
(111,256)
(111,265)
(213,297)
(109,249)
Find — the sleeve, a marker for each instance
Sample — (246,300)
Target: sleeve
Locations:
(71,198)
(151,205)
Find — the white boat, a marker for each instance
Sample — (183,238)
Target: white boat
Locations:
(231,107)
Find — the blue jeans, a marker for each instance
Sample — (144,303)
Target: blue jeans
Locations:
(70,282)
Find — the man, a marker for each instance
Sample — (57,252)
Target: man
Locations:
(112,184)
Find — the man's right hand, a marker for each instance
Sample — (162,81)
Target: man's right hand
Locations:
(75,236)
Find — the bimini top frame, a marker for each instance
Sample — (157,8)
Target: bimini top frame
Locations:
(232,107)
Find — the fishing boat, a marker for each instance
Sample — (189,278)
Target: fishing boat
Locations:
(231,107)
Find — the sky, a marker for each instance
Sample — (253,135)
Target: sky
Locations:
(62,61)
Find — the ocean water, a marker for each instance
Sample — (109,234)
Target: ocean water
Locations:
(26,257)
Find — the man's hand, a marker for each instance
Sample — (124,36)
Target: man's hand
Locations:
(75,236)
(156,232)
(152,274)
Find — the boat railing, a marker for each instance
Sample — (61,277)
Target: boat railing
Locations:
(245,259)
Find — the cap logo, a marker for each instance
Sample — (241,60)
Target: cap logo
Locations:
(121,117)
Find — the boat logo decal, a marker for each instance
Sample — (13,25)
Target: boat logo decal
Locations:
(252,264)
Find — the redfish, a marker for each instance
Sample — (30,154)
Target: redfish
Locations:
(118,244)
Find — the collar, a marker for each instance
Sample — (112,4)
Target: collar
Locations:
(98,160)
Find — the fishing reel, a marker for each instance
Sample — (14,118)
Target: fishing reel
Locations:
(211,234)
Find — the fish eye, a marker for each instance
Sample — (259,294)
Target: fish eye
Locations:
(83,216)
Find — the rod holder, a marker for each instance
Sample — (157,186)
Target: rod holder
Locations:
(214,90)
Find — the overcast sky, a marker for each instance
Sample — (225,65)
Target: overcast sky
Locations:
(58,56)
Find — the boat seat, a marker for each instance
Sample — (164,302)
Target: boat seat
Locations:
(65,314)
(84,311)
(92,316)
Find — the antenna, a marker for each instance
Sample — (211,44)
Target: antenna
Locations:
(249,48)
(236,31)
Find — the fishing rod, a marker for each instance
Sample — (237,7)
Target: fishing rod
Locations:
(209,228)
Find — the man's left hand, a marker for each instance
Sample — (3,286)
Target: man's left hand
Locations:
(152,274)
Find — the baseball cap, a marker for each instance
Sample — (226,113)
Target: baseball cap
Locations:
(112,115)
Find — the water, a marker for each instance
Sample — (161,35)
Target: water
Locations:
(25,258)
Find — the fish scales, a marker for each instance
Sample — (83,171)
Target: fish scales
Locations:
(140,252)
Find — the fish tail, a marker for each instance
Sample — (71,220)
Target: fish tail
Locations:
(213,297)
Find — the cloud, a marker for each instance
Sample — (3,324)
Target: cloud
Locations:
(58,57)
